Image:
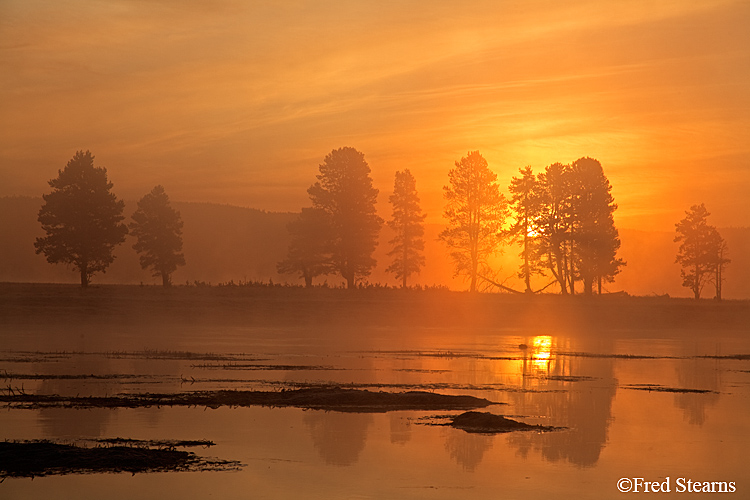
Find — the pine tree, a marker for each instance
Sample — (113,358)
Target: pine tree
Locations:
(476,211)
(408,224)
(553,250)
(309,250)
(345,194)
(594,235)
(702,251)
(82,218)
(526,206)
(158,229)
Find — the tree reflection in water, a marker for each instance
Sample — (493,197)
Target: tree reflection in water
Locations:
(583,407)
(697,373)
(467,449)
(339,438)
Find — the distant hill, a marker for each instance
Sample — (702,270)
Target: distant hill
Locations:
(221,243)
(224,242)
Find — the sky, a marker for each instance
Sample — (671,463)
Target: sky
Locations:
(238,102)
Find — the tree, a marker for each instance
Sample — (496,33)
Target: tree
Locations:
(577,238)
(82,218)
(701,253)
(594,235)
(720,262)
(476,211)
(553,249)
(408,224)
(309,249)
(158,229)
(345,194)
(525,203)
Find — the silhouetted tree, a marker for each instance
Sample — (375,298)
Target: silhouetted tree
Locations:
(553,249)
(408,223)
(82,218)
(345,194)
(594,235)
(720,262)
(526,204)
(476,211)
(702,251)
(309,251)
(158,228)
(577,238)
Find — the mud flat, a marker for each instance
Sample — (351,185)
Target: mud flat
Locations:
(488,423)
(326,398)
(44,458)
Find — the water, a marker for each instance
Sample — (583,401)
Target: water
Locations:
(587,383)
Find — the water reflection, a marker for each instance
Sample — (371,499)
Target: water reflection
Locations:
(400,429)
(339,438)
(466,449)
(697,374)
(583,406)
(60,422)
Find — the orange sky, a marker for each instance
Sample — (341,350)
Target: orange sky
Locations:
(238,102)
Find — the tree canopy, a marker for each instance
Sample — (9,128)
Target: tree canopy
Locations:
(344,193)
(82,218)
(476,212)
(408,223)
(158,229)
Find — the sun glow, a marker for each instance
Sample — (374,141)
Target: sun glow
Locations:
(541,354)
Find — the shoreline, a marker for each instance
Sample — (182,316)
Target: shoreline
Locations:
(263,305)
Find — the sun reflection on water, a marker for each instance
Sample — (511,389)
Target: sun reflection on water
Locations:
(541,353)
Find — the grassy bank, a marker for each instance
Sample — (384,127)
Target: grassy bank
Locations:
(53,304)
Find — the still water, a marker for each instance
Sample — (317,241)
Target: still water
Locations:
(615,396)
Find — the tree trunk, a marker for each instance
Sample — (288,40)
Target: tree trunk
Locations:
(571,272)
(165,281)
(474,268)
(526,271)
(308,280)
(404,264)
(697,284)
(84,276)
(559,275)
(599,282)
(350,282)
(588,286)
(718,279)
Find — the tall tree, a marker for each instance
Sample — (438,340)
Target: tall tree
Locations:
(577,237)
(702,251)
(476,211)
(553,249)
(720,262)
(345,194)
(158,229)
(594,235)
(526,204)
(408,224)
(82,218)
(309,250)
